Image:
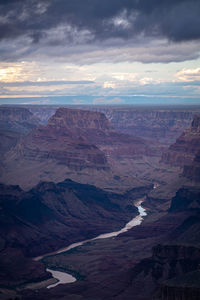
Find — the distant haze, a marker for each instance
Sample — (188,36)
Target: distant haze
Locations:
(100,52)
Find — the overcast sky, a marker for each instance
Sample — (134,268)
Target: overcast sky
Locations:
(100,51)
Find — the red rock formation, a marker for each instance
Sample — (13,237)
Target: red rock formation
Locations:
(95,128)
(73,141)
(60,141)
(163,125)
(185,148)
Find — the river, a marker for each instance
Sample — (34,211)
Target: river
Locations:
(67,278)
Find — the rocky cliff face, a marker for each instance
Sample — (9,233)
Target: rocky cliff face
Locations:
(14,123)
(175,267)
(79,122)
(185,287)
(160,125)
(164,125)
(73,141)
(187,198)
(95,128)
(185,148)
(51,216)
(43,112)
(63,213)
(55,147)
(192,171)
(176,254)
(50,143)
(8,139)
(17,119)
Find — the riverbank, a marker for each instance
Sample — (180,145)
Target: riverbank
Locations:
(63,277)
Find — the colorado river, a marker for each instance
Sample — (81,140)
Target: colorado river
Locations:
(67,278)
(61,277)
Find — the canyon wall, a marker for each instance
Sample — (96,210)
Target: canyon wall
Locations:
(73,141)
(14,123)
(183,151)
(192,171)
(159,124)
(51,216)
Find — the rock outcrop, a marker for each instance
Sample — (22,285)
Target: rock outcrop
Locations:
(95,128)
(14,123)
(51,152)
(163,125)
(185,287)
(169,272)
(17,119)
(187,198)
(73,141)
(43,112)
(159,124)
(61,213)
(192,171)
(172,267)
(51,216)
(183,151)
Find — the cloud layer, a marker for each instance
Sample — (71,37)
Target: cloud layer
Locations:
(63,29)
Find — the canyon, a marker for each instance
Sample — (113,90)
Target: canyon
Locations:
(163,124)
(51,216)
(14,123)
(77,176)
(185,148)
(78,144)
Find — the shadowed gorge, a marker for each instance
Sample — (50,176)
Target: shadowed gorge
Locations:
(99,150)
(79,176)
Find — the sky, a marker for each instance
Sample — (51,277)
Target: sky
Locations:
(100,52)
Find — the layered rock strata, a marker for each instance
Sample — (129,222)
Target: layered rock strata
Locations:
(183,151)
(73,142)
(14,123)
(51,216)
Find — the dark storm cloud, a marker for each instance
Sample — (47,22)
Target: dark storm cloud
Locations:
(63,28)
(178,20)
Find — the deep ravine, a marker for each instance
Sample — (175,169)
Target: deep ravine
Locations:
(62,277)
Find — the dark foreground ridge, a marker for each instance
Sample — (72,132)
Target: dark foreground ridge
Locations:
(51,216)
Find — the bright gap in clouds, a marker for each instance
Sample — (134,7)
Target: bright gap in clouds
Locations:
(100,49)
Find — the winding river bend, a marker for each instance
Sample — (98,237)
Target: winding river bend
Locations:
(67,278)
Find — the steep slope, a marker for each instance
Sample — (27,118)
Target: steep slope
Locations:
(62,213)
(162,125)
(8,139)
(51,152)
(43,112)
(14,123)
(74,144)
(95,128)
(185,148)
(177,255)
(51,216)
(17,119)
(192,171)
(123,268)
